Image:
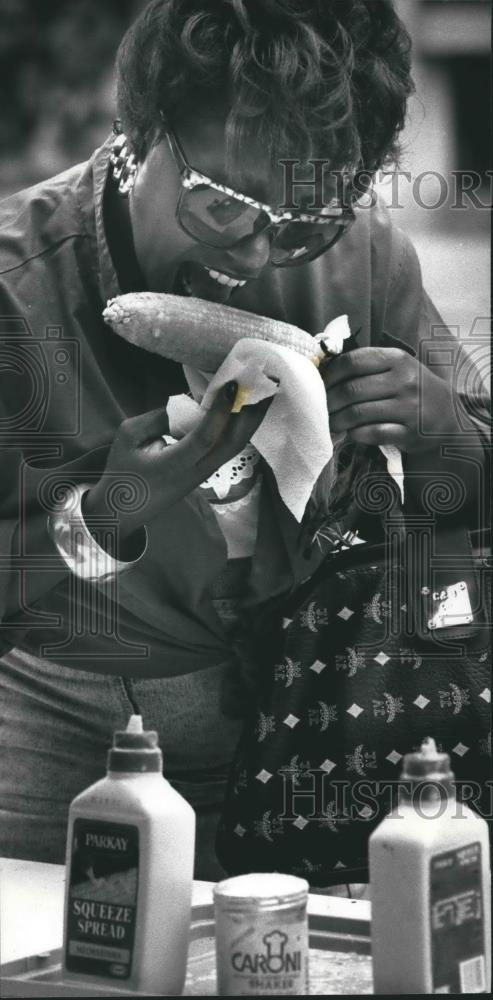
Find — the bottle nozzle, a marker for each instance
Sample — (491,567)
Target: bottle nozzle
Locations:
(427,764)
(135,748)
(429,748)
(135,725)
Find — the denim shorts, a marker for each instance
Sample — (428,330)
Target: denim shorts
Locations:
(57,723)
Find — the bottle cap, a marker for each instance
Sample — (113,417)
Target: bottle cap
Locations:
(428,764)
(135,749)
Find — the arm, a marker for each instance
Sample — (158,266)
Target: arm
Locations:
(138,458)
(454,422)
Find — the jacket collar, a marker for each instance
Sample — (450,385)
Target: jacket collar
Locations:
(89,195)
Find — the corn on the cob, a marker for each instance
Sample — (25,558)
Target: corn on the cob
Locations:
(196,332)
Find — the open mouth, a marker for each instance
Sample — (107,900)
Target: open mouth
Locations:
(205,282)
(224,279)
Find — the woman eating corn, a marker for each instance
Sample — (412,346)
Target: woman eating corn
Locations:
(210,188)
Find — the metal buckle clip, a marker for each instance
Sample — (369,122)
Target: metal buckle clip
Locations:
(451,606)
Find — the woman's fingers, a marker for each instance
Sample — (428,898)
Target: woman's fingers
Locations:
(217,438)
(381,434)
(242,426)
(360,390)
(373,395)
(359,363)
(144,428)
(212,425)
(238,431)
(380,411)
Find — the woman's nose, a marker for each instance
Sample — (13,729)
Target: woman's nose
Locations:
(250,256)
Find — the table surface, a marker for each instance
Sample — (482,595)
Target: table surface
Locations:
(31,907)
(31,922)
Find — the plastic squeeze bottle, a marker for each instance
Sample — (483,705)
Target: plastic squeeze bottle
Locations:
(430,887)
(129,865)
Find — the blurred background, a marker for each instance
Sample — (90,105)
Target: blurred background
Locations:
(449,129)
(58,104)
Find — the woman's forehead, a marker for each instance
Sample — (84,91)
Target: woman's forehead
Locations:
(253,172)
(205,146)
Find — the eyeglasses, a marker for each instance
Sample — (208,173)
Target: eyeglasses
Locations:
(220,217)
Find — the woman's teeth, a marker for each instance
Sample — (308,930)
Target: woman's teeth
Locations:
(224,279)
(190,281)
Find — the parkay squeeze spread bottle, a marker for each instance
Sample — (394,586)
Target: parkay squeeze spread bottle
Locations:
(130,854)
(430,889)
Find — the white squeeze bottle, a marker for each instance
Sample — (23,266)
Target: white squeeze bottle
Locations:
(430,887)
(129,867)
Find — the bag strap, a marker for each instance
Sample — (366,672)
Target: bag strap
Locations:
(453,553)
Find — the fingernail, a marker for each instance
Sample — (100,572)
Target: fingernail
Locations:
(230,389)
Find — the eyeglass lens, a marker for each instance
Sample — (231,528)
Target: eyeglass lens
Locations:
(221,220)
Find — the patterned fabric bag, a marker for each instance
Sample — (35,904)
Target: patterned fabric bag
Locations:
(383,646)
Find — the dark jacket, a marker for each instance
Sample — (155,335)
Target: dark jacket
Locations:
(66,383)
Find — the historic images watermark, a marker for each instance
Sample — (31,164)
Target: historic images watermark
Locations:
(40,379)
(464,357)
(459,190)
(40,438)
(335,803)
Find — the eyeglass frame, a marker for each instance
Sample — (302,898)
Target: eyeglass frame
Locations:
(191,177)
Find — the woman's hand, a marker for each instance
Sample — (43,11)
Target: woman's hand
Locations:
(167,473)
(382,395)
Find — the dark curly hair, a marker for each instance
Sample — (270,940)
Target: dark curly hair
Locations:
(326,78)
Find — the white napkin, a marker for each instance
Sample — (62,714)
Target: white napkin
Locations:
(294,436)
(394,465)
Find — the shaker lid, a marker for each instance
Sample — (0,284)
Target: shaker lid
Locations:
(262,888)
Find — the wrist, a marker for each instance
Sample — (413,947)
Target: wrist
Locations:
(100,516)
(94,555)
(120,536)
